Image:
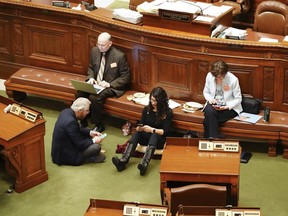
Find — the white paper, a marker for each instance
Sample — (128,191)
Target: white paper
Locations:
(213,11)
(173,104)
(98,88)
(180,6)
(270,40)
(248,117)
(145,101)
(205,18)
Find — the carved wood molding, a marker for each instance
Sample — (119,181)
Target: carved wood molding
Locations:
(119,25)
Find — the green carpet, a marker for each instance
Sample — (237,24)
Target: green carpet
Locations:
(67,192)
(119,4)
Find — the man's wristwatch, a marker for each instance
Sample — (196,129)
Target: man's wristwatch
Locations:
(154,130)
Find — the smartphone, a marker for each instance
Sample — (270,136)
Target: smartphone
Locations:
(103,136)
(140,125)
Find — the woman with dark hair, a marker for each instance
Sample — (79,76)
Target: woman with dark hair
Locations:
(151,131)
(223,95)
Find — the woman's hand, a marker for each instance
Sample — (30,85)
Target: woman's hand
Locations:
(220,107)
(147,129)
(212,101)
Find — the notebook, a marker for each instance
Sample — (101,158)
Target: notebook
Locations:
(87,87)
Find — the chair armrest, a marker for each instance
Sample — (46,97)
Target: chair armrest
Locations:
(167,197)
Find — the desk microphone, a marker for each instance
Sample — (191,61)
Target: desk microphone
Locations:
(7,108)
(191,3)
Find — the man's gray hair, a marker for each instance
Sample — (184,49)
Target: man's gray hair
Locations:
(80,103)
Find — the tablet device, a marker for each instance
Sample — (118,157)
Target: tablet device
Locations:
(87,87)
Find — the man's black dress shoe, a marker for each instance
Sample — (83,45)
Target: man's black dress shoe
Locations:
(99,128)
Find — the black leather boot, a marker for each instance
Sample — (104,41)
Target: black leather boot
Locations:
(146,159)
(122,162)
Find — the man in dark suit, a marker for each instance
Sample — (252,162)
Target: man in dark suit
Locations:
(72,144)
(109,68)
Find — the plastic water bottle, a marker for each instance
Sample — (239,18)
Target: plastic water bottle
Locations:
(266,116)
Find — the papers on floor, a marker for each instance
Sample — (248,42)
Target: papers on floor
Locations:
(248,117)
(127,15)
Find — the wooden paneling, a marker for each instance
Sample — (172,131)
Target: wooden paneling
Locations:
(5,36)
(61,39)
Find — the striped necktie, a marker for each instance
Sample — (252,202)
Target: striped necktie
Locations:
(101,69)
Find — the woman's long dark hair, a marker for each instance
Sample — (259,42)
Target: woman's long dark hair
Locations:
(162,102)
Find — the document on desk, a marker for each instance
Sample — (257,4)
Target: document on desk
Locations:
(205,18)
(269,40)
(180,6)
(248,117)
(216,11)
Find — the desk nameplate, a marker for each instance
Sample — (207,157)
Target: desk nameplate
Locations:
(177,16)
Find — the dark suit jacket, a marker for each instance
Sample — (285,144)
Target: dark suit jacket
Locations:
(69,139)
(117,71)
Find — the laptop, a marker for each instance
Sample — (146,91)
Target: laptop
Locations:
(87,87)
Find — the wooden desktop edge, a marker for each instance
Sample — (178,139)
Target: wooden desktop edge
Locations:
(182,141)
(117,205)
(105,15)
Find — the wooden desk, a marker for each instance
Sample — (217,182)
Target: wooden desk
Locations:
(195,26)
(111,208)
(36,34)
(23,143)
(210,210)
(182,162)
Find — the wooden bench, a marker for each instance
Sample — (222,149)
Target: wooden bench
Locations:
(46,83)
(57,85)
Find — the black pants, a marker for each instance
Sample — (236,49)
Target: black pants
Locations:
(148,139)
(96,108)
(213,118)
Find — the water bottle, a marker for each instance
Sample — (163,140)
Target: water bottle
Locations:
(266,116)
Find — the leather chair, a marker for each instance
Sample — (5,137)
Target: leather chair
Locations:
(240,6)
(195,195)
(271,17)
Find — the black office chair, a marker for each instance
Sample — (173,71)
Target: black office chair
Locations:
(195,195)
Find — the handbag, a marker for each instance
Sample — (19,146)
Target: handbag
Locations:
(251,105)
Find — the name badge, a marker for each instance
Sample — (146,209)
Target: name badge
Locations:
(113,65)
(226,88)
